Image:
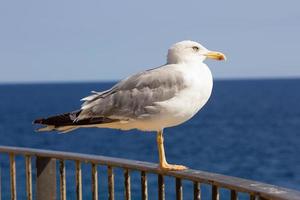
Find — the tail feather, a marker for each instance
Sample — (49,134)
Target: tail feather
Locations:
(61,129)
(68,121)
(59,120)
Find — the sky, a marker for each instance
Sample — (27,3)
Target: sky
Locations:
(63,41)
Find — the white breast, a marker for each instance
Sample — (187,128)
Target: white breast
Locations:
(187,102)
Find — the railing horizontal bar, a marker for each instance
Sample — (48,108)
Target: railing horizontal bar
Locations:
(178,189)
(127,184)
(232,183)
(13,190)
(111,183)
(62,180)
(144,186)
(94,182)
(28,169)
(197,191)
(161,187)
(78,181)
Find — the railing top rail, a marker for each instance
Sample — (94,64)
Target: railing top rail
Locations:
(233,183)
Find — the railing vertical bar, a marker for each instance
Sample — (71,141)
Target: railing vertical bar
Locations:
(161,187)
(127,184)
(261,198)
(197,191)
(178,189)
(0,183)
(13,191)
(252,197)
(28,169)
(233,195)
(78,181)
(45,178)
(94,182)
(215,193)
(144,186)
(111,184)
(62,175)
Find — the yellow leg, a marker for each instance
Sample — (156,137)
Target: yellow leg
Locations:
(163,164)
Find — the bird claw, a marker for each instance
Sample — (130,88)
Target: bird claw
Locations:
(169,167)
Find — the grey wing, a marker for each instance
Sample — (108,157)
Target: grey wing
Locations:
(135,96)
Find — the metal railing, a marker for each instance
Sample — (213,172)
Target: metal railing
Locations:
(46,183)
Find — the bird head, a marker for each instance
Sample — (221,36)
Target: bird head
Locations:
(190,51)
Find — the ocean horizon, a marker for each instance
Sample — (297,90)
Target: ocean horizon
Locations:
(113,81)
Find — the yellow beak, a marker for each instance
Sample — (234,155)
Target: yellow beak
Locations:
(215,55)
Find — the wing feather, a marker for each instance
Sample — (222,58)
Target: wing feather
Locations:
(134,96)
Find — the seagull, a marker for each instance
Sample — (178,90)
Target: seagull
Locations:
(151,100)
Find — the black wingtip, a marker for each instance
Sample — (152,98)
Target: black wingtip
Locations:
(38,121)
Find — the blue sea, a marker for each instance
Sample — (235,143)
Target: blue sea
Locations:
(248,129)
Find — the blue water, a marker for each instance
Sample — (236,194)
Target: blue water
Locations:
(248,129)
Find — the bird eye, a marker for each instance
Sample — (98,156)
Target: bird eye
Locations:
(195,48)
